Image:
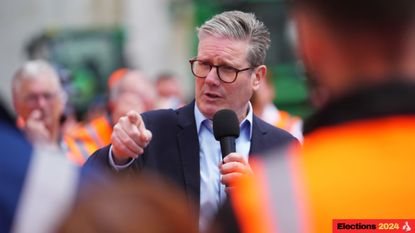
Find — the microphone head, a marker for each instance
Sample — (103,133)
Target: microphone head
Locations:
(225,124)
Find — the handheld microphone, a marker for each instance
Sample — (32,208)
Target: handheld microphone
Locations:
(225,130)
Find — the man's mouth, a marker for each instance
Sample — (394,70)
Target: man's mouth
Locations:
(212,95)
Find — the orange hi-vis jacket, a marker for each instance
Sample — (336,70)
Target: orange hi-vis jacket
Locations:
(357,165)
(85,140)
(286,121)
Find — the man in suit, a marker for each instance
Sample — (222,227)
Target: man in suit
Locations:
(180,144)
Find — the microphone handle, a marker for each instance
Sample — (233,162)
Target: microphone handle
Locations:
(227,145)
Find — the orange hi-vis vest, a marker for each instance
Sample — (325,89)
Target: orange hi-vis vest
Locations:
(362,169)
(85,140)
(286,121)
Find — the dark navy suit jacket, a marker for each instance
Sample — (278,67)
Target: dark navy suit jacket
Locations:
(174,149)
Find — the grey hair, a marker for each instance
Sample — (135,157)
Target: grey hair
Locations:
(240,26)
(32,69)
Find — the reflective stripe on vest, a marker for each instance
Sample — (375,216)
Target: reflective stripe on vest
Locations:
(97,132)
(100,131)
(74,152)
(86,140)
(269,201)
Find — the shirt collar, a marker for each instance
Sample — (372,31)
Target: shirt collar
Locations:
(200,118)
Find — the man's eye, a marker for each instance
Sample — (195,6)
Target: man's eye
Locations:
(227,69)
(204,63)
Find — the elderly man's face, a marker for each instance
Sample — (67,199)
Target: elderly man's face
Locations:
(41,93)
(211,93)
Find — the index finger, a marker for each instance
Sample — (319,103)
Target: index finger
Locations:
(136,119)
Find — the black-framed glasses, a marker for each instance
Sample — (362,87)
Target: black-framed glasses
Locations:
(226,74)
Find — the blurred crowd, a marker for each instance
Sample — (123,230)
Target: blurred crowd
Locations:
(40,101)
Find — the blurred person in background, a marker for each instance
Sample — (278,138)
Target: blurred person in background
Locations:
(39,100)
(133,91)
(146,204)
(357,160)
(179,144)
(267,111)
(170,93)
(129,90)
(13,167)
(37,184)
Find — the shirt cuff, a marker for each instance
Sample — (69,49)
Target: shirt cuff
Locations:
(115,166)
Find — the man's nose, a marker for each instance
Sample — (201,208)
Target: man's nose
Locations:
(41,101)
(212,77)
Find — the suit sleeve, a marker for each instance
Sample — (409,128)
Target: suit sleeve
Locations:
(99,160)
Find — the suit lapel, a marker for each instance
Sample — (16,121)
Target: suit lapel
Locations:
(188,142)
(257,140)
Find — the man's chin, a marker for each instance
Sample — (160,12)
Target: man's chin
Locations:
(210,111)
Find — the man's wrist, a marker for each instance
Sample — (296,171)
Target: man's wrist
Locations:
(118,164)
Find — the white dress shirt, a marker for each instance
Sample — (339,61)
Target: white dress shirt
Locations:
(212,192)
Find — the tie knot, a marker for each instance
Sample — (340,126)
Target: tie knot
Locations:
(208,124)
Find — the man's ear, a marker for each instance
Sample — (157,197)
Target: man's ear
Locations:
(317,46)
(259,74)
(307,46)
